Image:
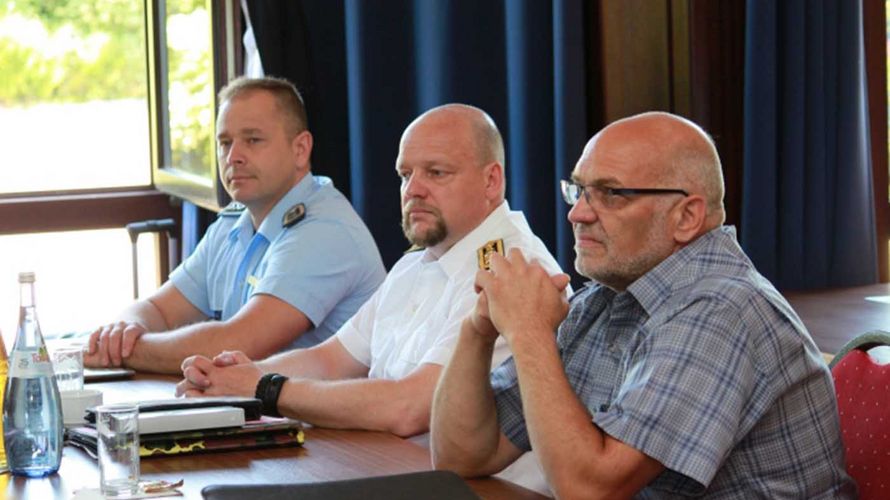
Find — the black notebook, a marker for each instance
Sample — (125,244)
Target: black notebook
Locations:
(431,485)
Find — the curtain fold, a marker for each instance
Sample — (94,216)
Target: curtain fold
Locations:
(807,205)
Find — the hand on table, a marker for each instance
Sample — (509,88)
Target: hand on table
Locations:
(110,344)
(229,373)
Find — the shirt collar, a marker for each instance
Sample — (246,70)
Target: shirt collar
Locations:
(677,271)
(271,226)
(455,258)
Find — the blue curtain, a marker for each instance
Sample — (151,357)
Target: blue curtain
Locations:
(807,208)
(374,65)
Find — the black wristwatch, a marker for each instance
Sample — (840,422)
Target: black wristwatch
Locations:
(267,390)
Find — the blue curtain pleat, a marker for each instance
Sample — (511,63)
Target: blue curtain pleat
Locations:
(570,132)
(381,97)
(529,48)
(807,211)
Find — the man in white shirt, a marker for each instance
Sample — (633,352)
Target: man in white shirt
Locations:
(380,369)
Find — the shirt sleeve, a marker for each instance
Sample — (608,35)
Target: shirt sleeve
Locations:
(355,335)
(312,267)
(684,403)
(190,277)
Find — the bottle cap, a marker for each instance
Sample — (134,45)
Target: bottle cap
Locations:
(26,277)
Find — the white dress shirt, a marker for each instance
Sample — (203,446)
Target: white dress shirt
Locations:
(415,316)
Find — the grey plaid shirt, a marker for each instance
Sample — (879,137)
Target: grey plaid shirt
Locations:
(702,365)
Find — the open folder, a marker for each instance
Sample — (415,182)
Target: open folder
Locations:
(264,433)
(172,427)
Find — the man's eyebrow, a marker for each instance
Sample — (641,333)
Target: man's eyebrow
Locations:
(241,132)
(603,181)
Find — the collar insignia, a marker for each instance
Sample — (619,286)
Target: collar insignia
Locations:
(293,215)
(483,254)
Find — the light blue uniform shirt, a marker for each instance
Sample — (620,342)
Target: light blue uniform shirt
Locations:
(326,265)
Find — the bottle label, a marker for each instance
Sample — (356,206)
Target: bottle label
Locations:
(30,363)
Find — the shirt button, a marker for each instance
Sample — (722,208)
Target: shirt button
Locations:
(613,347)
(604,407)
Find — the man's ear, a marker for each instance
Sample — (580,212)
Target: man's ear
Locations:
(689,218)
(494,180)
(301,148)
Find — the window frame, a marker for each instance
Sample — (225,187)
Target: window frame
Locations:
(227,55)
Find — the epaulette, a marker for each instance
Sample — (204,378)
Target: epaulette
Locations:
(293,215)
(483,254)
(233,209)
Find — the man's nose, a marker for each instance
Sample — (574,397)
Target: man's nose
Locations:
(414,187)
(582,213)
(234,156)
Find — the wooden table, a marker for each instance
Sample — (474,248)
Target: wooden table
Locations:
(836,316)
(327,455)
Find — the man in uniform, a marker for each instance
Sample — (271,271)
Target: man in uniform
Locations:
(379,371)
(287,268)
(680,371)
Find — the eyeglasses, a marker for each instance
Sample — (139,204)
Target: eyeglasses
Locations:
(606,197)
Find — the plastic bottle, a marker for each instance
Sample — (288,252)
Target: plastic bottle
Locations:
(32,410)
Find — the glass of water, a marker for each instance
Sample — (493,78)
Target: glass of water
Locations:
(118,429)
(68,367)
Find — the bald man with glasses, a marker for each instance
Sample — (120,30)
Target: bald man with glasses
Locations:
(679,370)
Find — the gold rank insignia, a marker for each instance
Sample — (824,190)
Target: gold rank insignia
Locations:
(293,215)
(485,251)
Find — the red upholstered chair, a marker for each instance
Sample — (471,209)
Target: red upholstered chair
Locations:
(863,395)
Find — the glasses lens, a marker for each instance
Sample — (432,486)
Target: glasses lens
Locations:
(570,192)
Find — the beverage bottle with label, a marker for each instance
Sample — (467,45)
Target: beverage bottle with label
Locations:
(32,409)
(4,366)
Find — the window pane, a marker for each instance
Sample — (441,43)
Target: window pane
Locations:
(73,95)
(189,80)
(84,278)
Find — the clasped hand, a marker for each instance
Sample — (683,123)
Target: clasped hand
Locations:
(518,298)
(109,345)
(229,373)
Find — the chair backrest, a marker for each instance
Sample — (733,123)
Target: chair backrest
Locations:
(863,396)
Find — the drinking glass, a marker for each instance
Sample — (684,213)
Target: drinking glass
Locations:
(118,429)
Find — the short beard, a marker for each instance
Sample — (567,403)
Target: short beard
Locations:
(431,238)
(621,271)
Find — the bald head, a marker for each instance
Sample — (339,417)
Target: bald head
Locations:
(677,152)
(451,168)
(476,126)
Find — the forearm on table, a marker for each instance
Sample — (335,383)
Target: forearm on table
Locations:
(465,432)
(163,352)
(401,407)
(327,361)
